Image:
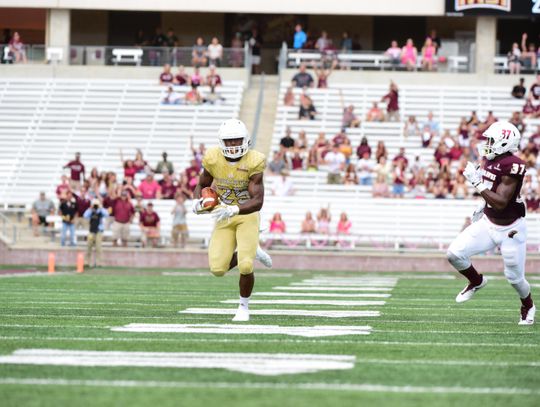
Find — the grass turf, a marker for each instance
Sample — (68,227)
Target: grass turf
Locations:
(422,344)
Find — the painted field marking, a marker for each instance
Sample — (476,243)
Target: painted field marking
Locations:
(305,331)
(208,274)
(355,387)
(447,362)
(310,302)
(535,285)
(264,364)
(288,312)
(324,288)
(34,274)
(282,294)
(338,284)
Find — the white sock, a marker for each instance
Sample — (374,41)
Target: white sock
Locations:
(523,288)
(244,302)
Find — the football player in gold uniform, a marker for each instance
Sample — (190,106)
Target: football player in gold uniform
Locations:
(236,172)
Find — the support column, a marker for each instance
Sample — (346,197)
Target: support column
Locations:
(486,37)
(58,31)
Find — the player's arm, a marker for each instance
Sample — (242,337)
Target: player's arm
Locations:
(205,180)
(256,192)
(501,198)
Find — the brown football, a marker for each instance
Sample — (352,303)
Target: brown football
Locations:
(209,198)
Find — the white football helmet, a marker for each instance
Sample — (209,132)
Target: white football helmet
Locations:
(501,137)
(234,129)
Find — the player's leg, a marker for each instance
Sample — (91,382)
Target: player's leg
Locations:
(475,239)
(221,247)
(247,238)
(260,255)
(513,250)
(90,241)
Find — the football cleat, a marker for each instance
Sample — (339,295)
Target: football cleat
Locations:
(242,315)
(263,257)
(469,291)
(527,315)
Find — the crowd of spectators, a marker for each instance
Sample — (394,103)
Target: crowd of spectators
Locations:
(321,224)
(523,56)
(531,108)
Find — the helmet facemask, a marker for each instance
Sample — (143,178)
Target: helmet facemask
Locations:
(486,150)
(234,152)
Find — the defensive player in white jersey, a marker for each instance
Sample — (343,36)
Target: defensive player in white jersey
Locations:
(237,175)
(500,219)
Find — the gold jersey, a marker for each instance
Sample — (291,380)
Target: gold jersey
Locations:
(231,178)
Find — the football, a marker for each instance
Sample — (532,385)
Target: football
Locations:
(210,198)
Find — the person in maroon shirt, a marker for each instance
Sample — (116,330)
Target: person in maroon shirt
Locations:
(166,76)
(363,148)
(392,100)
(149,222)
(535,89)
(500,219)
(181,77)
(123,213)
(77,172)
(83,200)
(192,174)
(401,157)
(63,188)
(168,187)
(213,79)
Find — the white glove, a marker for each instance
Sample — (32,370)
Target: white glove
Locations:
(473,175)
(197,207)
(479,211)
(224,212)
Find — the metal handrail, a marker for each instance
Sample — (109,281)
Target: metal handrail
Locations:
(260,100)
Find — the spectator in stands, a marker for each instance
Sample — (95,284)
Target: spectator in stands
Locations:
(41,208)
(400,180)
(300,37)
(166,76)
(278,163)
(307,109)
(308,224)
(323,43)
(139,163)
(215,52)
(529,109)
(349,118)
(436,40)
(140,38)
(312,160)
(517,120)
(410,128)
(181,78)
(198,153)
(392,99)
(164,165)
(193,97)
(426,136)
(196,79)
(127,185)
(432,124)
(322,74)
(460,189)
(336,164)
(428,55)
(179,224)
(519,90)
(346,149)
(277,225)
(296,161)
(401,157)
(192,174)
(302,79)
(68,212)
(237,51)
(83,201)
(63,188)
(183,188)
(17,49)
(302,142)
(95,216)
(409,54)
(77,172)
(213,78)
(340,137)
(344,225)
(534,91)
(350,178)
(380,187)
(463,133)
(150,224)
(363,148)
(123,212)
(283,185)
(375,114)
(381,151)
(514,59)
(167,187)
(321,146)
(394,53)
(149,188)
(288,98)
(171,97)
(171,40)
(255,43)
(287,142)
(199,53)
(528,54)
(365,167)
(323,221)
(213,97)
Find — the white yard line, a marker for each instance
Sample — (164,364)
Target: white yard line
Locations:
(34,274)
(310,302)
(230,329)
(264,364)
(208,274)
(447,362)
(288,312)
(282,294)
(324,288)
(349,387)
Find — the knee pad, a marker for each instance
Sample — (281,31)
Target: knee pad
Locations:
(245,266)
(218,273)
(459,262)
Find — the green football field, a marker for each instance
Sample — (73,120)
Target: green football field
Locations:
(97,339)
